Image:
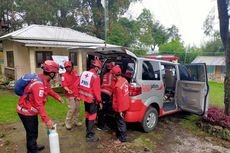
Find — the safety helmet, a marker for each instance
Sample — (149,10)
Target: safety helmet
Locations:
(109,66)
(116,70)
(68,63)
(50,66)
(97,63)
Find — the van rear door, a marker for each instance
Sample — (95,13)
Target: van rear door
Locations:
(108,52)
(192,88)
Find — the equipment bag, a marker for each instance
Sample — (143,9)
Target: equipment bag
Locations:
(24,81)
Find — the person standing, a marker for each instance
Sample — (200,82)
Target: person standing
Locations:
(31,104)
(108,82)
(120,103)
(90,93)
(68,80)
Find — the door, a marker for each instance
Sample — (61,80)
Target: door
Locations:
(192,88)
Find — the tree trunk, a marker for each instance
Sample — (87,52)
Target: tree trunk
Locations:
(227,79)
(224,25)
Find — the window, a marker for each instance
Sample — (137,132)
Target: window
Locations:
(73,57)
(150,70)
(193,72)
(10,59)
(210,69)
(42,56)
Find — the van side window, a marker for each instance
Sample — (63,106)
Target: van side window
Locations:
(150,70)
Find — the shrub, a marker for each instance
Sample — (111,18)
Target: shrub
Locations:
(216,116)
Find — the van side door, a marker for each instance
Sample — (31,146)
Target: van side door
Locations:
(192,88)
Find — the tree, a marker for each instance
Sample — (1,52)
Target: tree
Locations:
(174,47)
(223,8)
(214,46)
(208,25)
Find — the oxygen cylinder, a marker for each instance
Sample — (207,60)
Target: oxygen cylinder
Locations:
(54,140)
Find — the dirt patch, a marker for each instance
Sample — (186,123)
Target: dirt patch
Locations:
(168,137)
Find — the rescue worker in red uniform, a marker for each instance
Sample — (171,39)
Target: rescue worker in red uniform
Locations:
(90,93)
(68,80)
(120,103)
(108,82)
(31,104)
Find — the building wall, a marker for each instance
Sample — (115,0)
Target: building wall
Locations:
(25,58)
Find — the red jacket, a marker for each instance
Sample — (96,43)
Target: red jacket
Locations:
(33,103)
(121,95)
(68,80)
(89,86)
(108,83)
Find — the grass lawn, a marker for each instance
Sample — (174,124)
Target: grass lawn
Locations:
(8,102)
(216,94)
(57,111)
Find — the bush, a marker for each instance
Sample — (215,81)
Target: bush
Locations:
(215,116)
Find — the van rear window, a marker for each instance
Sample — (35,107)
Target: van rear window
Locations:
(150,70)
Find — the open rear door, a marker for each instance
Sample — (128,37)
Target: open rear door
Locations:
(112,52)
(192,88)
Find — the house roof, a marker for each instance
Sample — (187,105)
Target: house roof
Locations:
(210,60)
(50,33)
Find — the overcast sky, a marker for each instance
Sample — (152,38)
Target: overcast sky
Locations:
(187,15)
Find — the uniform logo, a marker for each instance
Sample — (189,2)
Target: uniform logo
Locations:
(41,93)
(62,78)
(86,79)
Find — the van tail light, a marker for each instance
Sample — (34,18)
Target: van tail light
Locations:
(135,89)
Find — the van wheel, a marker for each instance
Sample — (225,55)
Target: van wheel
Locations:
(150,119)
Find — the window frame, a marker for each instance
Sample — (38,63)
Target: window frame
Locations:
(74,61)
(8,62)
(43,56)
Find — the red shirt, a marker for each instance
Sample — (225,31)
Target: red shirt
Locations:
(121,95)
(108,83)
(89,86)
(34,101)
(68,80)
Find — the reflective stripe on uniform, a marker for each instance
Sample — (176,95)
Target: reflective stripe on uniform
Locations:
(25,110)
(35,82)
(86,93)
(106,92)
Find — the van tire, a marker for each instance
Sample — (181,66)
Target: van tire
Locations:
(150,119)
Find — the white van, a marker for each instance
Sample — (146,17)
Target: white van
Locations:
(157,87)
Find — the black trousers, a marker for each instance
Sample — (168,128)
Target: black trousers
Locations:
(121,131)
(31,126)
(90,117)
(107,106)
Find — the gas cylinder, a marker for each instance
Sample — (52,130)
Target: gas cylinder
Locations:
(54,140)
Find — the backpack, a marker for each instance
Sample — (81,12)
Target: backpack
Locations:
(21,83)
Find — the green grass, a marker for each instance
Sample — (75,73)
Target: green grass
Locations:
(216,94)
(8,103)
(57,111)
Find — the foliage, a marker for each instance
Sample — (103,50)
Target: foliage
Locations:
(123,32)
(208,25)
(216,116)
(174,47)
(213,46)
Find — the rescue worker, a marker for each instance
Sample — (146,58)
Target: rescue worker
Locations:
(108,82)
(31,104)
(90,93)
(68,80)
(120,103)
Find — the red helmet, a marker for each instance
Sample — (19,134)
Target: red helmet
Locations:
(68,63)
(50,66)
(116,70)
(97,63)
(110,66)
